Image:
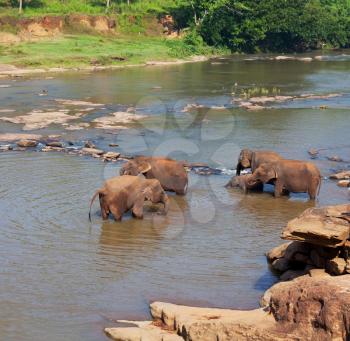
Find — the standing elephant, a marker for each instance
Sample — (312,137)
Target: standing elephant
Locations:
(290,176)
(253,159)
(171,174)
(123,193)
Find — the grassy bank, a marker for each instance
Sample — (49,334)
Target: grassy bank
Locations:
(82,50)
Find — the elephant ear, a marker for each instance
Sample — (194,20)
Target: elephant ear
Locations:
(144,167)
(273,173)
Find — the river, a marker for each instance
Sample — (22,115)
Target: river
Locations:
(63,277)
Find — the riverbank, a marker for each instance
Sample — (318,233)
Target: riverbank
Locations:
(90,53)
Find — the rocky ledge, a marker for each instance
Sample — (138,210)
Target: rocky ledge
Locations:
(308,304)
(307,308)
(320,240)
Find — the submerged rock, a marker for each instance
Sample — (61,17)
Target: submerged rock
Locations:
(27,143)
(344,183)
(345,175)
(55,144)
(110,156)
(92,151)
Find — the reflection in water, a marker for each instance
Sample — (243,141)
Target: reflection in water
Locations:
(64,278)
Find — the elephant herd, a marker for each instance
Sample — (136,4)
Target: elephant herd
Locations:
(130,190)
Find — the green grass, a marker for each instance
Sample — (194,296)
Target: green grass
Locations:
(61,7)
(83,50)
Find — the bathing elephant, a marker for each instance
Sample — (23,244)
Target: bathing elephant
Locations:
(171,174)
(290,176)
(253,159)
(123,193)
(244,182)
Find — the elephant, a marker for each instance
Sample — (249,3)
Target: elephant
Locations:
(253,159)
(171,174)
(244,182)
(290,176)
(123,193)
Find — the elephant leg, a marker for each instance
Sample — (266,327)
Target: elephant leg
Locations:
(116,213)
(315,183)
(104,207)
(278,188)
(137,209)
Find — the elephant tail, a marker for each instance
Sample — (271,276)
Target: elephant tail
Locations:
(92,201)
(319,185)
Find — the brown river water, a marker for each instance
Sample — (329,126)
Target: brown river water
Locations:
(64,278)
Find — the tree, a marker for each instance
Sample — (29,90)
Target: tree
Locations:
(20,9)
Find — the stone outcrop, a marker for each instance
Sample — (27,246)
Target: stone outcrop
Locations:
(320,241)
(328,226)
(313,308)
(345,175)
(307,308)
(202,324)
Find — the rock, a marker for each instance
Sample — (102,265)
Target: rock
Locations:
(318,273)
(146,331)
(55,144)
(92,151)
(313,152)
(313,308)
(327,226)
(52,149)
(341,175)
(347,268)
(110,156)
(281,264)
(317,260)
(210,324)
(336,266)
(306,308)
(343,183)
(335,158)
(5,147)
(296,248)
(27,143)
(291,274)
(89,144)
(114,145)
(277,252)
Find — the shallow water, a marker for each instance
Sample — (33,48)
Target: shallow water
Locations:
(65,278)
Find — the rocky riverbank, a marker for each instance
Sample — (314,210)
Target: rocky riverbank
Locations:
(312,301)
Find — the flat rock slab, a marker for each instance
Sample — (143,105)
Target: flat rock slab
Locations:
(341,175)
(327,226)
(92,151)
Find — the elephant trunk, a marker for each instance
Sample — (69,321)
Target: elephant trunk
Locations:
(166,203)
(239,168)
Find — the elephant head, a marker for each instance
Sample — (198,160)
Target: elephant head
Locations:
(135,167)
(155,193)
(244,160)
(264,173)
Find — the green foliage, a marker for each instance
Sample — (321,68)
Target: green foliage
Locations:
(274,25)
(240,25)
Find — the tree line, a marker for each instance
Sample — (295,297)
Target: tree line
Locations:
(268,25)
